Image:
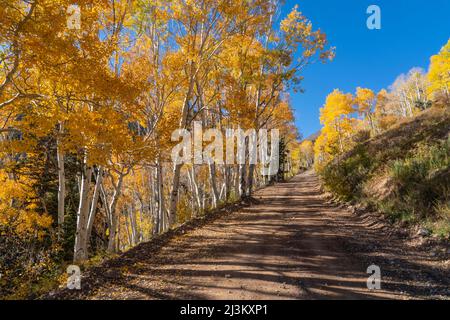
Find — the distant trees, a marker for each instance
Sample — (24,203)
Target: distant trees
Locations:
(408,94)
(348,118)
(366,101)
(306,153)
(337,125)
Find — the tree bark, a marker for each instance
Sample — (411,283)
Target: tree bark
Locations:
(237,181)
(243,180)
(213,182)
(114,216)
(251,171)
(61,179)
(161,203)
(195,190)
(80,250)
(177,167)
(94,203)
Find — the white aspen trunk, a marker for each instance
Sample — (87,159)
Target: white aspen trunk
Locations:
(237,181)
(80,250)
(222,191)
(177,167)
(112,245)
(191,191)
(94,202)
(223,187)
(243,180)
(196,192)
(118,243)
(203,202)
(133,223)
(193,201)
(251,171)
(371,122)
(61,178)
(227,182)
(213,183)
(161,203)
(127,227)
(142,236)
(105,202)
(153,195)
(408,109)
(112,233)
(256,177)
(174,194)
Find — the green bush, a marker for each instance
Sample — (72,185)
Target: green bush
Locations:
(441,225)
(421,181)
(345,178)
(420,178)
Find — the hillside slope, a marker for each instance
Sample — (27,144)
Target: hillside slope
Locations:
(403,172)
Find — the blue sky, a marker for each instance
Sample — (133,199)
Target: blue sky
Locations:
(411,32)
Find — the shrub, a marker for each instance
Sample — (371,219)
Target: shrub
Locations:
(417,176)
(26,262)
(421,181)
(345,178)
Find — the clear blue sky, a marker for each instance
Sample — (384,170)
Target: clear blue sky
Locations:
(411,31)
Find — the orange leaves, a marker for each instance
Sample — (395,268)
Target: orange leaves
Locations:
(338,126)
(439,71)
(298,31)
(101,133)
(365,100)
(18,207)
(242,55)
(336,106)
(132,62)
(71,76)
(112,92)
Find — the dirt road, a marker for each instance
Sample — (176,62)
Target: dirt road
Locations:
(291,244)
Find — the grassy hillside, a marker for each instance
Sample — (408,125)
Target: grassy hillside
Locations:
(403,172)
